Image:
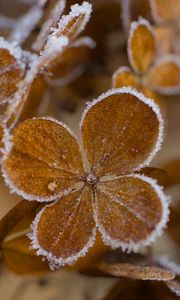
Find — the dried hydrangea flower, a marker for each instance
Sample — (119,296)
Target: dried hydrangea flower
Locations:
(161,75)
(121,132)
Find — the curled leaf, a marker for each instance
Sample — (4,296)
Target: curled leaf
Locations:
(137,272)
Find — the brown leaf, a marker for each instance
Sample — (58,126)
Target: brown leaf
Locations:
(45,160)
(137,272)
(129,211)
(123,145)
(142,45)
(16,250)
(14,216)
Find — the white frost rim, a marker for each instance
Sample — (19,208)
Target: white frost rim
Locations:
(150,102)
(132,246)
(134,26)
(13,188)
(55,262)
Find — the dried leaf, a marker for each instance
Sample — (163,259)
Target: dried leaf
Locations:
(141,45)
(127,143)
(14,216)
(16,250)
(45,160)
(131,211)
(137,272)
(164,76)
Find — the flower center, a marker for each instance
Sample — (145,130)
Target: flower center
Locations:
(91,179)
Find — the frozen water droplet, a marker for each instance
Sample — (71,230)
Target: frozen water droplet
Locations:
(52,186)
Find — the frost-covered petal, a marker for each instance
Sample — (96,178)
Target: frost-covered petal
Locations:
(71,62)
(64,231)
(74,23)
(122,131)
(136,272)
(11,70)
(131,211)
(165,10)
(44,160)
(124,77)
(141,45)
(164,76)
(52,14)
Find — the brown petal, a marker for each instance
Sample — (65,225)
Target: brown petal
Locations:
(73,24)
(131,211)
(11,70)
(124,77)
(165,10)
(174,286)
(64,231)
(164,76)
(52,13)
(136,272)
(121,131)
(71,62)
(141,45)
(16,250)
(44,161)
